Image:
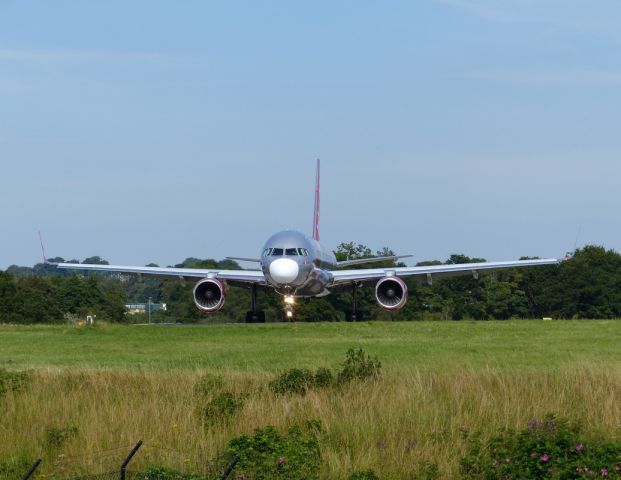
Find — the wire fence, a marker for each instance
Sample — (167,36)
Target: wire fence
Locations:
(117,466)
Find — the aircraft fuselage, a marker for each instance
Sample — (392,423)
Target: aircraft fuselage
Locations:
(296,265)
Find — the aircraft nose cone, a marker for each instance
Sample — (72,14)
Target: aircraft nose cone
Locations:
(284,270)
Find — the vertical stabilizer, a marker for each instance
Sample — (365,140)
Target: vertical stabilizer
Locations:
(316,213)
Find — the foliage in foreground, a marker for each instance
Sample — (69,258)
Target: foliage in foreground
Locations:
(357,366)
(13,381)
(271,455)
(548,449)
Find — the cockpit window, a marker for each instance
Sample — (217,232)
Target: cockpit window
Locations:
(291,251)
(266,252)
(276,252)
(303,251)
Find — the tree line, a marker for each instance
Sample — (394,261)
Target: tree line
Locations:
(587,285)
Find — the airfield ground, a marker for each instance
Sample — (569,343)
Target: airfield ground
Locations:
(109,386)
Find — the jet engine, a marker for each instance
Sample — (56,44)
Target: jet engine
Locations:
(391,293)
(209,295)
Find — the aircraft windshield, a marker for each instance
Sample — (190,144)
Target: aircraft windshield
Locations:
(291,251)
(277,252)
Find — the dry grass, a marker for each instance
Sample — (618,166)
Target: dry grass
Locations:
(389,425)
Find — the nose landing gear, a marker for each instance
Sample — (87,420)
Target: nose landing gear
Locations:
(288,311)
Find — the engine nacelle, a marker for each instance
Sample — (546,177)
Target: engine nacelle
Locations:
(209,295)
(391,293)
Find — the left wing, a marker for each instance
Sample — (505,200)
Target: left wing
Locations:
(243,276)
(433,271)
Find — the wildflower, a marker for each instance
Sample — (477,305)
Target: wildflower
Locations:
(585,469)
(578,469)
(533,424)
(174,425)
(603,472)
(533,454)
(507,460)
(618,467)
(281,461)
(186,460)
(544,458)
(579,447)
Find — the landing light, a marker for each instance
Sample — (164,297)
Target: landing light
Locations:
(289,300)
(289,314)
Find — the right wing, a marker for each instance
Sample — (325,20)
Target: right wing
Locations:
(242,276)
(433,271)
(361,261)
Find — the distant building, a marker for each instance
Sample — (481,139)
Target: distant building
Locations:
(134,308)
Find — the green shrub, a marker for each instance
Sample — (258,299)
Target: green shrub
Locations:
(56,437)
(271,455)
(162,473)
(323,378)
(295,380)
(546,449)
(208,384)
(358,366)
(221,407)
(364,475)
(15,467)
(13,381)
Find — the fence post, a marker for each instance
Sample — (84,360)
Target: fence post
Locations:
(229,468)
(33,468)
(128,459)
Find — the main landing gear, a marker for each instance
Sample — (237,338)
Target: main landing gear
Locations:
(354,315)
(254,315)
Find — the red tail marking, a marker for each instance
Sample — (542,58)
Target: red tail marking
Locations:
(316,214)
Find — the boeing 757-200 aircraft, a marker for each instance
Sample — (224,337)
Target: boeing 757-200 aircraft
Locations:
(295,265)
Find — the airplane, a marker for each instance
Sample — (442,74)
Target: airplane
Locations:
(295,265)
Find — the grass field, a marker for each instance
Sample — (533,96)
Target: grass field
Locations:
(117,384)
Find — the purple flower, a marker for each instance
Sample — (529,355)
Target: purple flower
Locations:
(603,472)
(544,457)
(578,469)
(533,424)
(618,467)
(579,447)
(281,461)
(585,468)
(533,454)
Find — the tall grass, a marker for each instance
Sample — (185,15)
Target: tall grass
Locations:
(408,416)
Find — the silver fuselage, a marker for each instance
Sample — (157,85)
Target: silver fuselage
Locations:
(297,265)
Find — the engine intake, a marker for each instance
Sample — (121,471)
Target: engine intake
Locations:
(391,293)
(209,295)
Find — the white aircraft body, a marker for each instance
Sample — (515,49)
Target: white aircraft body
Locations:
(295,265)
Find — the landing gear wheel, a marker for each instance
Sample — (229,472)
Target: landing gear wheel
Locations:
(255,317)
(353,316)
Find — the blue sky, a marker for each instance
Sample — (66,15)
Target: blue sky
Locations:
(152,131)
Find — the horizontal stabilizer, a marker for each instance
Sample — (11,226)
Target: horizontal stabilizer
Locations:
(361,261)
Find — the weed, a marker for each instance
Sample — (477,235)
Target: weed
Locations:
(364,475)
(358,366)
(221,407)
(13,381)
(295,380)
(56,437)
(208,384)
(270,454)
(549,448)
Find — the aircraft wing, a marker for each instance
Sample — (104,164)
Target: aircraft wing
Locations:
(242,276)
(434,271)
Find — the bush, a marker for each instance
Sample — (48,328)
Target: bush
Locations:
(13,381)
(548,448)
(270,454)
(364,475)
(323,378)
(358,366)
(208,384)
(15,467)
(221,407)
(161,473)
(56,437)
(295,380)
